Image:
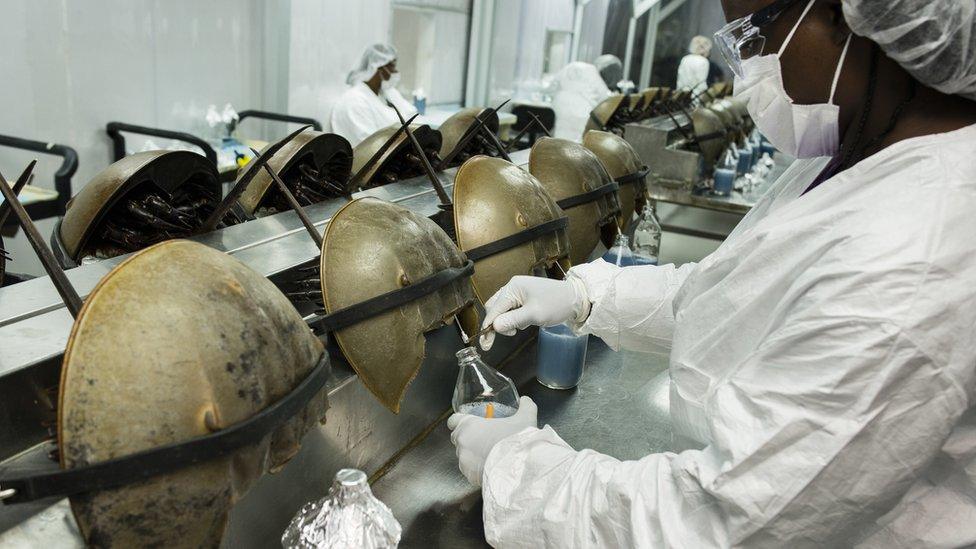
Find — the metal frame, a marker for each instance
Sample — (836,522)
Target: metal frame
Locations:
(62,178)
(276,117)
(115,129)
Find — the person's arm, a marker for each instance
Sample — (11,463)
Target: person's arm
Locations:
(631,307)
(814,435)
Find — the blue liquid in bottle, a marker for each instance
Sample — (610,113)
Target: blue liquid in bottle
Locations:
(561,357)
(620,254)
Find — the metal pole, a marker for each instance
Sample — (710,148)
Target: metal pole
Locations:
(355,179)
(18,186)
(650,43)
(309,226)
(629,51)
(428,169)
(68,294)
(252,170)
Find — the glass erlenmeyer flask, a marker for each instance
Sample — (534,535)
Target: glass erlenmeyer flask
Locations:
(482,390)
(620,254)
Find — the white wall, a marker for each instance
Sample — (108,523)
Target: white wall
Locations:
(327,39)
(593,28)
(519,40)
(432,39)
(70,67)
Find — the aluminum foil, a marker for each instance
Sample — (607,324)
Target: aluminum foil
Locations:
(349,517)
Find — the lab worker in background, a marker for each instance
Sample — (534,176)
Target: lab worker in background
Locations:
(363,108)
(579,88)
(611,69)
(694,67)
(822,360)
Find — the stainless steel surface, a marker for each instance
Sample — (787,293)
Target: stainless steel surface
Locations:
(620,408)
(658,143)
(737,203)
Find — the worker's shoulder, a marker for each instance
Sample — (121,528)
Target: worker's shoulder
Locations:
(350,98)
(943,161)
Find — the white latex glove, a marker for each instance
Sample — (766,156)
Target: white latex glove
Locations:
(474,436)
(534,301)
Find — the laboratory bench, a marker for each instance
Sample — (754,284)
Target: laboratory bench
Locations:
(619,408)
(738,203)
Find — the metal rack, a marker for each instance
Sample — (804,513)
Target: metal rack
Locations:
(62,178)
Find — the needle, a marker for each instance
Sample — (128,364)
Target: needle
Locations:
(467,340)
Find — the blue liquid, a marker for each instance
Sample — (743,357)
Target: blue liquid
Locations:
(561,357)
(724,181)
(619,256)
(640,261)
(745,161)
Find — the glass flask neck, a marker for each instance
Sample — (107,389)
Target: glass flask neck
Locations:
(468,355)
(622,241)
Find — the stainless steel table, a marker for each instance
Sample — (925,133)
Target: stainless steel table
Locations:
(737,203)
(620,408)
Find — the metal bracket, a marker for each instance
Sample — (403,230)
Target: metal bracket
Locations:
(114,130)
(62,178)
(275,117)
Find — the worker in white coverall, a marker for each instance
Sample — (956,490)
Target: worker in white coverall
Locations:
(824,357)
(364,108)
(580,89)
(693,70)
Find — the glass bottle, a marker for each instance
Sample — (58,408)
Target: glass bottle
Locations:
(620,254)
(482,390)
(350,516)
(647,238)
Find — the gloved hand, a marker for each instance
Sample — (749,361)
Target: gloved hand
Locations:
(474,436)
(534,301)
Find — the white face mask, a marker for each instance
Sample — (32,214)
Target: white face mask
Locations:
(390,82)
(802,131)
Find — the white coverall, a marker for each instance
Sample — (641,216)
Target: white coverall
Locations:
(824,357)
(581,88)
(360,113)
(693,73)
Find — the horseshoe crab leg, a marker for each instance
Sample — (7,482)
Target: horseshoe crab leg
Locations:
(147,217)
(162,209)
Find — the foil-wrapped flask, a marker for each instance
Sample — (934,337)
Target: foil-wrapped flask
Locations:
(350,516)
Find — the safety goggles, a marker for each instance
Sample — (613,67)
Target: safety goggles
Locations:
(741,39)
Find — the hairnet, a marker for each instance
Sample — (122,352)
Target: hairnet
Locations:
(374,57)
(610,67)
(700,45)
(606,60)
(932,39)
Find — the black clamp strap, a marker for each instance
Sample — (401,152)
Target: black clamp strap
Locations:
(711,136)
(517,239)
(587,197)
(634,178)
(391,300)
(596,121)
(142,465)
